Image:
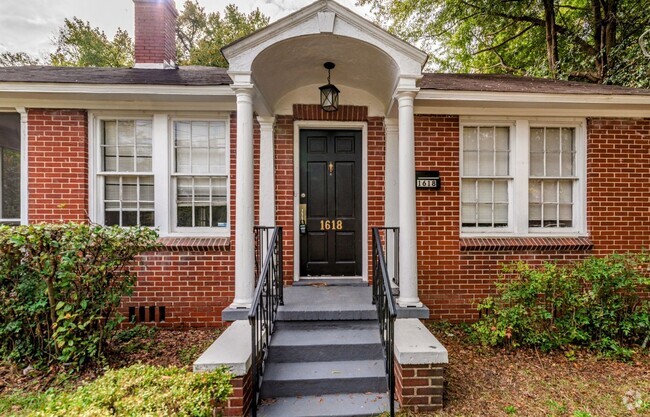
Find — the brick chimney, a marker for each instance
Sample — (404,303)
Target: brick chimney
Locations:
(155,34)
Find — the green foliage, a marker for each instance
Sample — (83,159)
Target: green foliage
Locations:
(201,35)
(80,45)
(591,41)
(595,303)
(15,59)
(138,390)
(60,286)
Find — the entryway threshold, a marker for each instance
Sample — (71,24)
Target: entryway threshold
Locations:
(330,282)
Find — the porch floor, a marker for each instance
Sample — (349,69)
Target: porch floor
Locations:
(327,303)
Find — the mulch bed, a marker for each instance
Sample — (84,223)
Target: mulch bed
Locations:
(494,382)
(160,347)
(481,381)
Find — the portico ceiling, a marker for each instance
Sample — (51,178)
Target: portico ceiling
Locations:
(299,61)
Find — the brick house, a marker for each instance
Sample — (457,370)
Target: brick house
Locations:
(475,170)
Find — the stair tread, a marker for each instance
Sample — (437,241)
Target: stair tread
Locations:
(306,371)
(356,333)
(357,405)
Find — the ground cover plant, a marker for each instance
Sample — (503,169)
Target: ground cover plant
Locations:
(154,363)
(600,303)
(60,286)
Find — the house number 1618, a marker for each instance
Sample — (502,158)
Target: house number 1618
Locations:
(331,225)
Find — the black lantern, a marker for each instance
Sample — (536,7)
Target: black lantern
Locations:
(329,94)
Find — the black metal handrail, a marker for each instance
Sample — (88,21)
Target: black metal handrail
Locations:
(268,297)
(382,297)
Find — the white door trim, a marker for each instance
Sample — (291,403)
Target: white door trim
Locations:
(329,125)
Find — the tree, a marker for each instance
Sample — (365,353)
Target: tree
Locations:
(590,40)
(80,45)
(201,35)
(17,59)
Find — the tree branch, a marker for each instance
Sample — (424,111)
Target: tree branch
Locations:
(493,47)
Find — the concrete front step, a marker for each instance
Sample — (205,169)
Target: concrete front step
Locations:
(327,303)
(339,405)
(319,378)
(317,341)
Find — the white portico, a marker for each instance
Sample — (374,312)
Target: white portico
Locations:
(281,66)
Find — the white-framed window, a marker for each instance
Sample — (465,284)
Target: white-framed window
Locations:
(486,179)
(200,175)
(162,170)
(10,169)
(126,172)
(523,177)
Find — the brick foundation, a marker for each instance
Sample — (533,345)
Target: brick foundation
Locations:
(420,388)
(238,404)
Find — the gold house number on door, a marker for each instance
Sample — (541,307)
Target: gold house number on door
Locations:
(331,225)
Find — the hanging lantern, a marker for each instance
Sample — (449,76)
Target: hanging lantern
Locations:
(329,94)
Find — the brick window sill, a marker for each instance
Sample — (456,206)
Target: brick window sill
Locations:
(213,244)
(530,243)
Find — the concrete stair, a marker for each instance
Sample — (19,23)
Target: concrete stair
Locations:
(325,358)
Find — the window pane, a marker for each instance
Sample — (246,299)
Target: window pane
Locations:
(470,138)
(468,191)
(486,151)
(200,147)
(552,155)
(129,200)
(485,191)
(10,178)
(568,152)
(201,202)
(470,163)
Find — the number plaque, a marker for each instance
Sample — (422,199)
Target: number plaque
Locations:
(427,180)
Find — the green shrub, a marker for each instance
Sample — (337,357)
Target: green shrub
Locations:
(595,303)
(140,390)
(60,286)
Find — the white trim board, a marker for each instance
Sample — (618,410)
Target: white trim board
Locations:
(326,125)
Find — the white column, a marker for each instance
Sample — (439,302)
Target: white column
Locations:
(267,172)
(244,197)
(408,260)
(391,173)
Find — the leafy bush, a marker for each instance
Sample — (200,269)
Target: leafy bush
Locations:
(140,390)
(60,286)
(596,303)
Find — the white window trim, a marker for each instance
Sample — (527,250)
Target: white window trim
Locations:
(162,142)
(24,169)
(212,231)
(520,163)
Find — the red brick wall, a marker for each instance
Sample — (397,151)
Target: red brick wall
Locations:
(58,165)
(284,189)
(155,32)
(196,284)
(618,188)
(454,272)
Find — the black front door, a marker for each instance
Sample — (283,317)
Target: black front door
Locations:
(330,203)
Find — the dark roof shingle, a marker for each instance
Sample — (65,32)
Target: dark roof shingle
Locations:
(514,84)
(212,76)
(189,76)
